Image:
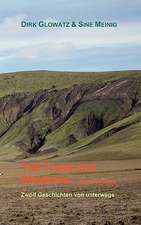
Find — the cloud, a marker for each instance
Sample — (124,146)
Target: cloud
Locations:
(31,44)
(10,25)
(51,50)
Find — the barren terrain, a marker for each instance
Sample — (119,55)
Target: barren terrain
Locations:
(122,209)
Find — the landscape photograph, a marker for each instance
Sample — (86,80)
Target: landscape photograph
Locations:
(70,112)
(71,118)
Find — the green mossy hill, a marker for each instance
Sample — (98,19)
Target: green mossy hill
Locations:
(70,116)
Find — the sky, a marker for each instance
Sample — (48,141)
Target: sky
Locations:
(79,49)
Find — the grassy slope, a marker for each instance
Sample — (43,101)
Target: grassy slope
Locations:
(71,126)
(19,131)
(124,144)
(33,81)
(60,136)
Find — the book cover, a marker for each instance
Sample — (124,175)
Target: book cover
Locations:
(70,112)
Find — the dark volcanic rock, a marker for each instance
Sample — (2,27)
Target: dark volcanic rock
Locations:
(92,124)
(63,105)
(13,107)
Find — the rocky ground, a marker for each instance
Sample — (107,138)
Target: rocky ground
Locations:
(123,209)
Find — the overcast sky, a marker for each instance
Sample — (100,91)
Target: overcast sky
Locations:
(70,49)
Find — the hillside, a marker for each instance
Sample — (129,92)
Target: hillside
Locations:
(70,116)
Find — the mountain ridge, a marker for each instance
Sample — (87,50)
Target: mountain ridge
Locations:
(49,121)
